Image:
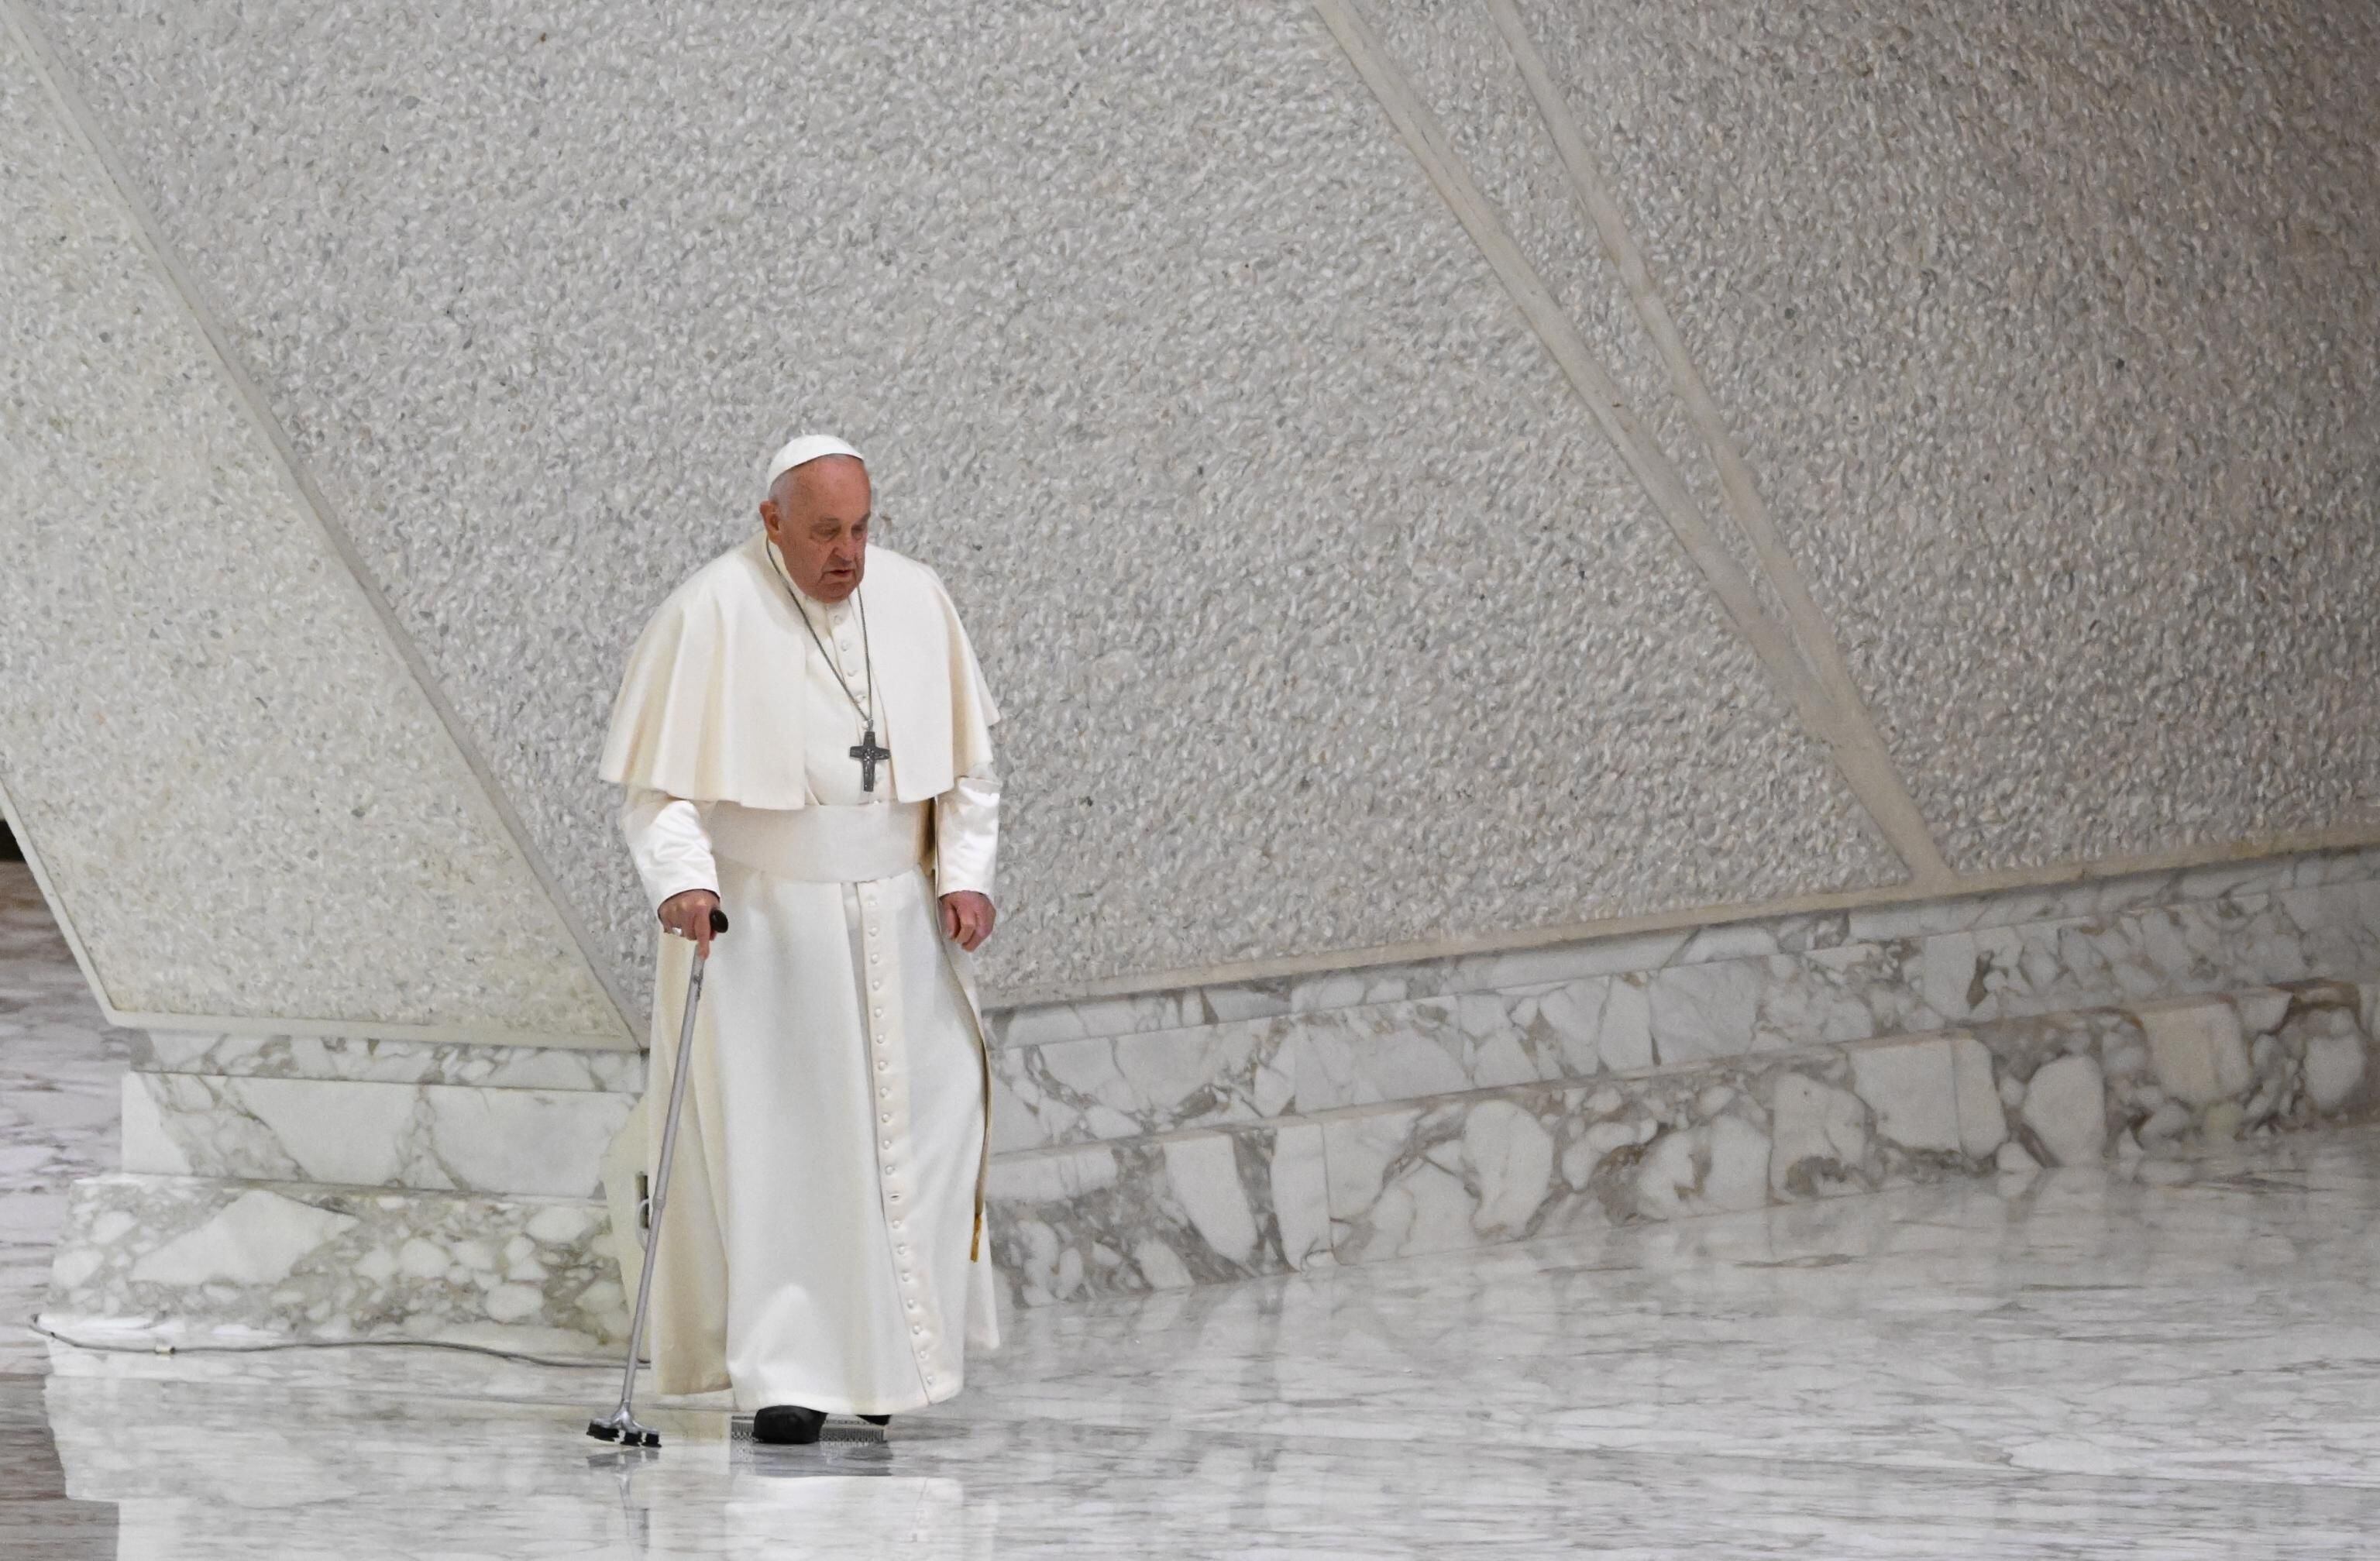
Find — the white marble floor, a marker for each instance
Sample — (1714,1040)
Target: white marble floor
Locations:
(2182,1363)
(2174,1359)
(61,1069)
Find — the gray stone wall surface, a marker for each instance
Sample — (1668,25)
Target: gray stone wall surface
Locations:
(232,781)
(1322,615)
(2052,333)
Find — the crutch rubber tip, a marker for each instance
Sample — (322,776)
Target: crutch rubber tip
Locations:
(645,1439)
(602,1432)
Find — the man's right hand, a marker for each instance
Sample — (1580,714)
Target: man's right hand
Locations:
(687,914)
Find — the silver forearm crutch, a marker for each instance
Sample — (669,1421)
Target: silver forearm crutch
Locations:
(621,1425)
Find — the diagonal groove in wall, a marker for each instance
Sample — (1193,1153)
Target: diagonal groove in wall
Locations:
(1863,765)
(1804,620)
(312,501)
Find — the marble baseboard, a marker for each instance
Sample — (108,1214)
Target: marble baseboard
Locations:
(1197,1208)
(177,1258)
(166,1256)
(1121,1068)
(1482,1167)
(2130,906)
(368,1060)
(1113,1069)
(308,1188)
(436,1137)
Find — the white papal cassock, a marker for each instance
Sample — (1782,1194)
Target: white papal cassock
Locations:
(822,1243)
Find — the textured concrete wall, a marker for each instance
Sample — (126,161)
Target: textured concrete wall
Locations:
(239,794)
(2053,333)
(1323,616)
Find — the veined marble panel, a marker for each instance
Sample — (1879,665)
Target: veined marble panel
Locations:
(1566,1013)
(1128,1086)
(389,1061)
(1257,1051)
(1222,1002)
(2188,1070)
(442,1137)
(1161,1214)
(2065,1089)
(2235,880)
(59,1062)
(1511,1165)
(2219,893)
(1353,1185)
(171,1257)
(1489,1165)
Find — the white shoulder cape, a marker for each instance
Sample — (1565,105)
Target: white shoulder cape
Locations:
(712,706)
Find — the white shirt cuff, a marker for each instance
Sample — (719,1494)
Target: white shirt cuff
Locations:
(966,836)
(669,844)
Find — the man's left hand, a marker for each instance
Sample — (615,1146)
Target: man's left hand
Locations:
(967,917)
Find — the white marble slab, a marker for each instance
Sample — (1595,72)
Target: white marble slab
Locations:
(186,1258)
(445,1137)
(388,1061)
(1478,1167)
(1960,959)
(1467,1170)
(1254,1146)
(1128,1086)
(1160,1214)
(1114,1087)
(59,1064)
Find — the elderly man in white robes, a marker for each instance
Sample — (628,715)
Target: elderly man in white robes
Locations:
(804,734)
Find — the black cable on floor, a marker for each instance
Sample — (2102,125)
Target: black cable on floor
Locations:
(318,1344)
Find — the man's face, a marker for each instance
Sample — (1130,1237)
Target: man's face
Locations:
(818,516)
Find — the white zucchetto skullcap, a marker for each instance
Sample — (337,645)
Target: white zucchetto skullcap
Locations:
(810,447)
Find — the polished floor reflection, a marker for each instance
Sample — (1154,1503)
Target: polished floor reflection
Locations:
(2179,1361)
(2169,1359)
(61,1069)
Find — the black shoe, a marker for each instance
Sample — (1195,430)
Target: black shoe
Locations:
(878,1419)
(787,1425)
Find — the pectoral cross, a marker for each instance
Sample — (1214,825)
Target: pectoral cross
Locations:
(869,755)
